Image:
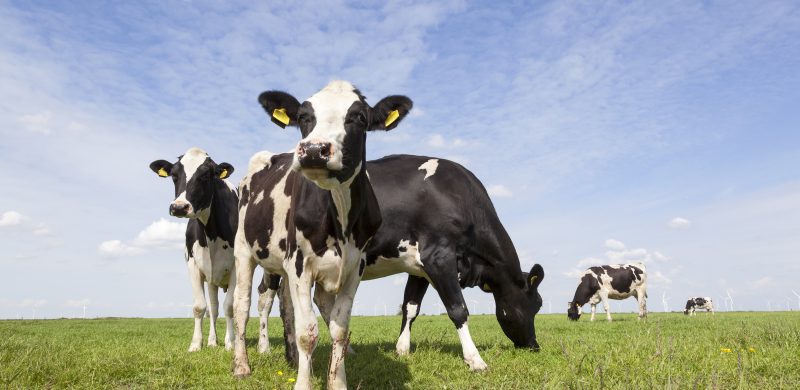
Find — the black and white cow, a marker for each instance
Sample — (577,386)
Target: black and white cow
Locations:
(210,202)
(326,211)
(604,282)
(441,228)
(699,303)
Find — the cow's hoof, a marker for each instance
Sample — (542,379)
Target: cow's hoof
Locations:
(402,351)
(212,342)
(241,372)
(476,364)
(229,346)
(263,348)
(194,347)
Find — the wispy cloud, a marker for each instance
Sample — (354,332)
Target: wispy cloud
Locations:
(499,191)
(159,234)
(679,223)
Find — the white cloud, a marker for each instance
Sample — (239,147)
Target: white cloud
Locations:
(159,234)
(11,218)
(116,248)
(679,223)
(500,191)
(42,230)
(162,233)
(439,141)
(33,303)
(37,123)
(614,244)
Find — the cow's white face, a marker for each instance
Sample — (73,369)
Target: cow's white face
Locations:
(334,124)
(193,176)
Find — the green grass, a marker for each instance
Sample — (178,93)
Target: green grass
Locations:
(666,351)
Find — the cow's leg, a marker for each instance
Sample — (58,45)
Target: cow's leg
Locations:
(213,311)
(593,307)
(265,302)
(324,302)
(228,307)
(641,296)
(306,327)
(606,306)
(339,327)
(287,316)
(198,306)
(245,265)
(412,300)
(443,274)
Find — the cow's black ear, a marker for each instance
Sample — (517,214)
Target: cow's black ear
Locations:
(388,113)
(280,106)
(535,276)
(161,167)
(223,170)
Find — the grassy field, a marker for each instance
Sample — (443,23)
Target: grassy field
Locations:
(725,351)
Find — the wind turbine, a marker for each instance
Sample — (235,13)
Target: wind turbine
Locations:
(84,311)
(729,298)
(798,298)
(475,306)
(664,301)
(769,305)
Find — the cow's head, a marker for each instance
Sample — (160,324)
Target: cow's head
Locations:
(516,309)
(574,310)
(334,123)
(194,175)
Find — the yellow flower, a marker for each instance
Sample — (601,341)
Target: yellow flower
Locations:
(725,350)
(280,372)
(751,349)
(290,380)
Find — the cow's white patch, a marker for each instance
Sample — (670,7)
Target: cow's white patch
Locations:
(429,167)
(409,261)
(259,198)
(192,160)
(404,342)
(471,355)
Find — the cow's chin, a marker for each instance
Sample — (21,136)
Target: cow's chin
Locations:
(321,177)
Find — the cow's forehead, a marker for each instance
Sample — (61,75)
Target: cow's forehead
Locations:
(192,160)
(335,99)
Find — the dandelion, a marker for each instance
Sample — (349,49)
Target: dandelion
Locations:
(280,372)
(290,380)
(725,350)
(751,349)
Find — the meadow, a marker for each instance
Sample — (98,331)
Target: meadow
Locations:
(669,350)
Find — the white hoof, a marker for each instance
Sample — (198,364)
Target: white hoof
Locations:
(476,364)
(194,347)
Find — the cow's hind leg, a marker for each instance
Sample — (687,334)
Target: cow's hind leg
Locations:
(228,307)
(324,302)
(265,301)
(606,306)
(441,268)
(641,297)
(412,300)
(213,311)
(198,306)
(245,265)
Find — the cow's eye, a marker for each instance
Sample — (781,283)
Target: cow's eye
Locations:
(303,120)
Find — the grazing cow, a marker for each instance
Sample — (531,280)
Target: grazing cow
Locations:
(327,213)
(610,281)
(204,196)
(699,303)
(442,229)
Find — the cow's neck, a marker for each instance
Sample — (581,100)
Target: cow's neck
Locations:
(356,209)
(215,219)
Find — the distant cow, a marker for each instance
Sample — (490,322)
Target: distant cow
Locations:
(699,303)
(600,283)
(204,196)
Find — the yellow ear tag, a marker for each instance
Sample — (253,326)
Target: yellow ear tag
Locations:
(162,172)
(280,115)
(391,118)
(223,174)
(533,278)
(486,287)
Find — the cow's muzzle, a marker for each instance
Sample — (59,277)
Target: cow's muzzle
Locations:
(180,209)
(314,155)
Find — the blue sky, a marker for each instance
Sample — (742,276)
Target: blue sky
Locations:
(614,132)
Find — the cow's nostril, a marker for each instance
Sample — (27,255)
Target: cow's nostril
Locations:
(325,150)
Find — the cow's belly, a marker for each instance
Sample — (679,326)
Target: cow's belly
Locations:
(407,263)
(215,262)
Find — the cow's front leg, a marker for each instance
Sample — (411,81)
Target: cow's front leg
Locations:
(241,308)
(324,302)
(228,307)
(412,300)
(306,327)
(213,309)
(606,306)
(339,326)
(641,298)
(593,307)
(198,306)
